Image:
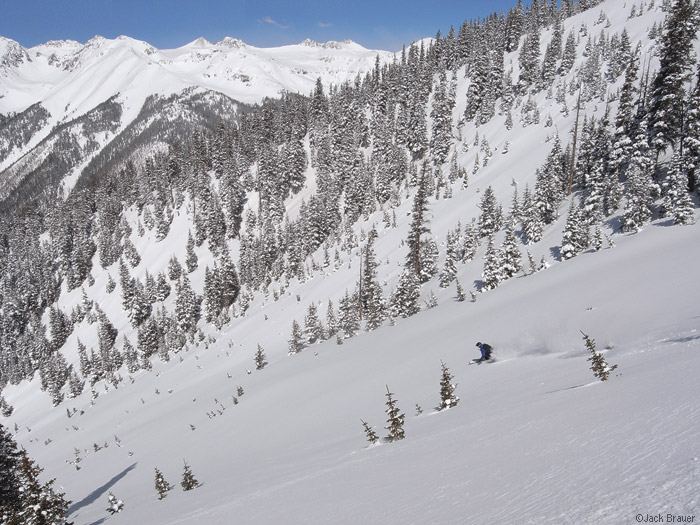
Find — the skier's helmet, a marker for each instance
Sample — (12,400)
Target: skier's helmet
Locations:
(478,344)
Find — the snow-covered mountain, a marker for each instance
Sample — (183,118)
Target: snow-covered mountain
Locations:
(46,90)
(114,372)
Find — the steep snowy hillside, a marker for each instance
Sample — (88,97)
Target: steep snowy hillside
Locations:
(535,437)
(241,302)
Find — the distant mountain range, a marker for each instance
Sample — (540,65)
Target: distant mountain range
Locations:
(87,95)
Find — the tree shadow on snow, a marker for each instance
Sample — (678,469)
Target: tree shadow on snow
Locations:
(683,339)
(98,492)
(555,252)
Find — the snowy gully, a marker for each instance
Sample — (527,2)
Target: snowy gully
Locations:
(665,518)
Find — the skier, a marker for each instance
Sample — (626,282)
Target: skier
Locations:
(485,352)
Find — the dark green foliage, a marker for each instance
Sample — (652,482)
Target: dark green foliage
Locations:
(191,257)
(599,365)
(260,358)
(667,105)
(395,419)
(37,503)
(418,227)
(189,482)
(448,399)
(162,486)
(296,342)
(405,300)
(9,463)
(371,434)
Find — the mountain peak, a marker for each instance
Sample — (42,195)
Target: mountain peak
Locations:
(233,43)
(199,43)
(12,53)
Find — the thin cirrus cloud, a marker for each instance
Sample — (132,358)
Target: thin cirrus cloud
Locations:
(324,24)
(270,21)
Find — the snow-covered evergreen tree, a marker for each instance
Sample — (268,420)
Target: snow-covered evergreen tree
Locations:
(405,300)
(296,342)
(189,482)
(512,259)
(493,274)
(677,202)
(575,236)
(448,398)
(313,329)
(162,486)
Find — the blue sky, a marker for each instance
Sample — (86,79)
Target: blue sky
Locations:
(263,23)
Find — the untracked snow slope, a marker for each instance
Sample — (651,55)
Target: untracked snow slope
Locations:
(535,438)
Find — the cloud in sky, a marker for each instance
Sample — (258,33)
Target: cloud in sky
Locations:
(324,24)
(269,20)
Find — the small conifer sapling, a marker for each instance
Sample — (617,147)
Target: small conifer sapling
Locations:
(188,482)
(448,399)
(601,369)
(395,420)
(371,434)
(115,505)
(260,358)
(162,486)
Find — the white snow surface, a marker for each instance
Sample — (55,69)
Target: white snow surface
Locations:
(535,438)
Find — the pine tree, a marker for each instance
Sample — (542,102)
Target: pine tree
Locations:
(666,108)
(348,318)
(449,271)
(448,399)
(191,257)
(10,456)
(461,296)
(115,505)
(140,305)
(569,55)
(39,503)
(369,431)
(296,343)
(127,285)
(372,298)
(188,482)
(162,486)
(174,269)
(187,306)
(691,145)
(418,227)
(162,287)
(677,202)
(491,218)
(395,419)
(512,261)
(599,365)
(405,300)
(493,274)
(313,329)
(260,358)
(575,233)
(331,321)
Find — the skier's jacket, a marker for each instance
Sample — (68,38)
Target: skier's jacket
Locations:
(485,351)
